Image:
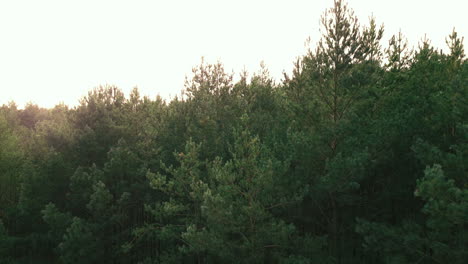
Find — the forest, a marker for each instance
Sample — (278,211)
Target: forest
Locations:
(360,155)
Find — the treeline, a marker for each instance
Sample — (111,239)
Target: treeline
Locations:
(359,156)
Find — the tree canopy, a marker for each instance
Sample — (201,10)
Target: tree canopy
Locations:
(359,156)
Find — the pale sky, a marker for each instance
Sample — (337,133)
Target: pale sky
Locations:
(55,51)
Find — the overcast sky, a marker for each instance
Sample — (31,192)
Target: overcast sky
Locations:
(55,51)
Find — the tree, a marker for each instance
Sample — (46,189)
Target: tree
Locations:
(442,239)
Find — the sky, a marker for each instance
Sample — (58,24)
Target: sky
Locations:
(55,51)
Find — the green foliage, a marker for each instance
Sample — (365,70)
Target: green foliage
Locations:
(58,221)
(236,207)
(360,156)
(442,239)
(79,244)
(10,162)
(447,210)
